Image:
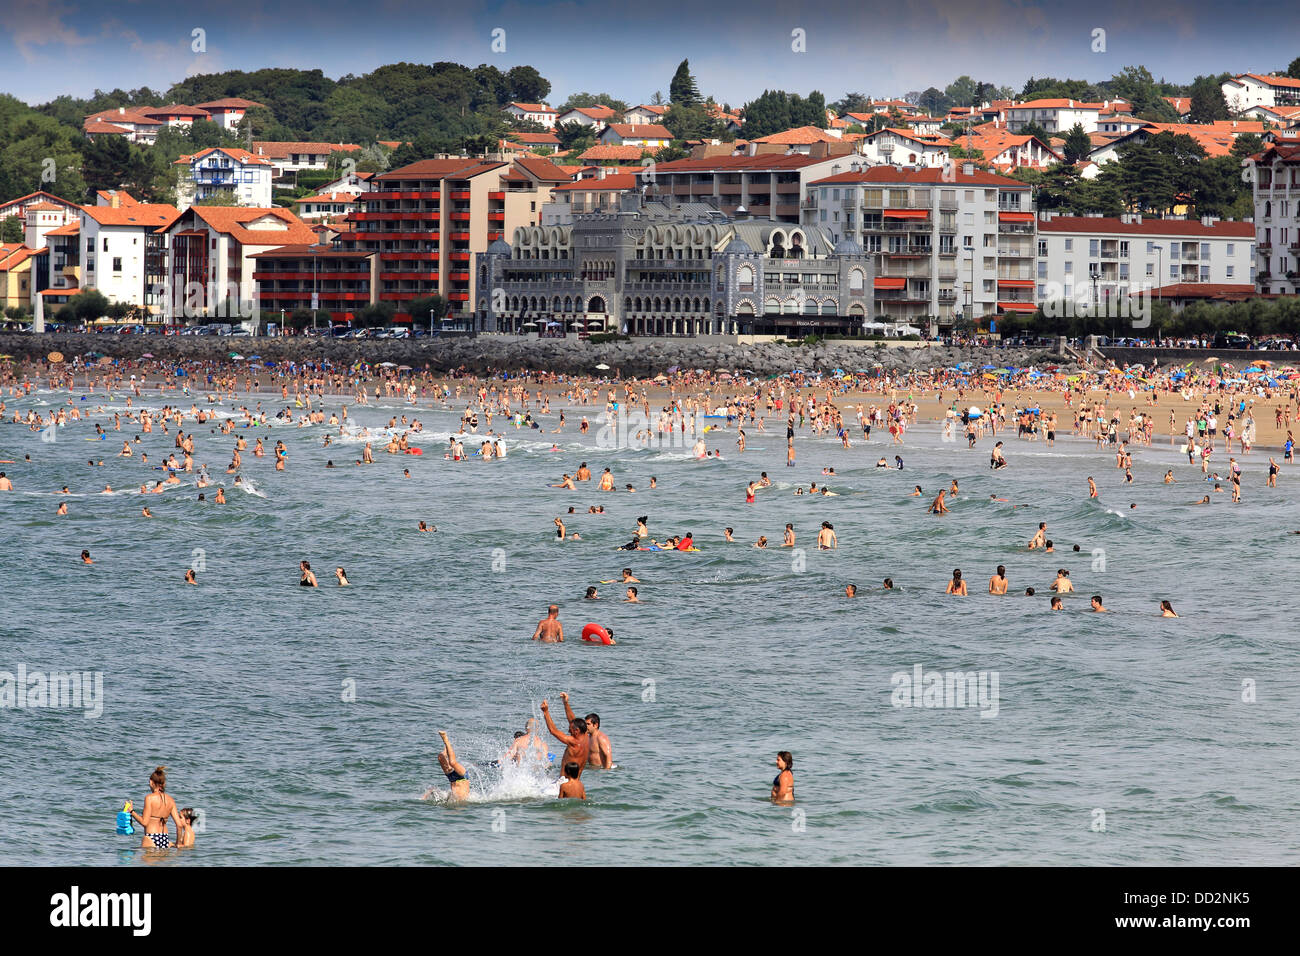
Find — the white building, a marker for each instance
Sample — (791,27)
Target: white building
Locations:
(1056,116)
(1277,217)
(290,157)
(225,171)
(116,245)
(228,113)
(951,243)
(177,114)
(645,113)
(905,148)
(646,135)
(538,113)
(1252,89)
(354,183)
(593,116)
(328,207)
(210,256)
(1130,254)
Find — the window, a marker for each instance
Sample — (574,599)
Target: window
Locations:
(968,219)
(1151,269)
(106,243)
(1151,248)
(823,215)
(1094,247)
(1123,249)
(1173,272)
(1174,249)
(1205,249)
(1123,271)
(117,264)
(970,196)
(835,194)
(1042,269)
(1042,247)
(1205,273)
(1230,268)
(1069,268)
(1069,245)
(968,242)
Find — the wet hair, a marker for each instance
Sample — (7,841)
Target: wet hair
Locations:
(159,778)
(787,758)
(1097,598)
(627,570)
(593,719)
(1166,606)
(1029,592)
(634,591)
(643,519)
(729,530)
(956,574)
(571,770)
(520,733)
(1076,547)
(1048,543)
(190,814)
(579,725)
(1056,601)
(306,565)
(1001,570)
(591,591)
(889,583)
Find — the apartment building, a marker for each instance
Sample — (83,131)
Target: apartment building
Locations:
(1277,217)
(63,263)
(207,254)
(224,172)
(1254,89)
(765,186)
(1058,116)
(668,268)
(177,114)
(645,135)
(40,201)
(121,253)
(326,207)
(1102,259)
(20,272)
(289,158)
(950,242)
(601,193)
(905,147)
(317,276)
(426,220)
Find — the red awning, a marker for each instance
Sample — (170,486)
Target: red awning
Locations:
(907,213)
(887,282)
(1017,283)
(1017,307)
(1015,217)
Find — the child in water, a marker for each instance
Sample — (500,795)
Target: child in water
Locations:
(571,786)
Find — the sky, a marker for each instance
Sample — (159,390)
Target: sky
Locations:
(630,50)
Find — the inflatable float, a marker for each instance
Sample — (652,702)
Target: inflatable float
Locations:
(595,634)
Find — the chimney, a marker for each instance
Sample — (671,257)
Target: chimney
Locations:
(115,200)
(121,110)
(1071,102)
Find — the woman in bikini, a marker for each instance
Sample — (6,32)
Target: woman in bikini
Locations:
(158,807)
(453,768)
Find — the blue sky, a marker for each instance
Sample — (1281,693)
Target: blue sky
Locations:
(630,50)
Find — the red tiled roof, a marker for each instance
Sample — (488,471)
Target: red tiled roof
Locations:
(532,107)
(1202,290)
(1272,80)
(234,221)
(799,136)
(598,112)
(761,163)
(69,229)
(97,128)
(282,150)
(597,153)
(1147,227)
(229,103)
(1181,104)
(124,198)
(456,168)
(329,197)
(126,114)
(45,207)
(175,109)
(543,170)
(140,214)
(536,139)
(241,155)
(611,183)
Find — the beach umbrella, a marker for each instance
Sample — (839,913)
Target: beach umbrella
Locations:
(105,360)
(55,357)
(603,367)
(404,368)
(236,356)
(255,358)
(388,365)
(672,369)
(147,355)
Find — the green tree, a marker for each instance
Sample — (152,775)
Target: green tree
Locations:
(575,136)
(527,85)
(1208,103)
(1077,144)
(683,89)
(378,313)
(88,305)
(420,309)
(1247,144)
(1293,70)
(11,229)
(962,91)
(593,99)
(1033,129)
(852,103)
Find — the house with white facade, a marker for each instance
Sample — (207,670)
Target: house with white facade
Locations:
(645,113)
(210,254)
(645,135)
(228,113)
(1131,253)
(291,157)
(904,147)
(538,113)
(593,116)
(128,122)
(1253,89)
(1276,185)
(176,114)
(225,171)
(327,207)
(120,252)
(1057,116)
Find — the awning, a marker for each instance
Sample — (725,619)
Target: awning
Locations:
(1015,217)
(907,213)
(1017,307)
(1017,283)
(887,282)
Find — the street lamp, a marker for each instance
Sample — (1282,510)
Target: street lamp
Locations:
(1160,253)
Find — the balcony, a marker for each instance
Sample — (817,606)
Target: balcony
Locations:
(497,196)
(460,194)
(1016,228)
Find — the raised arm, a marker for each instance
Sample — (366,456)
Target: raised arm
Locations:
(555,731)
(568,711)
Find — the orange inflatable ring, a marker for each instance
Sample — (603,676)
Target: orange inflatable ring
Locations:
(595,634)
(415,451)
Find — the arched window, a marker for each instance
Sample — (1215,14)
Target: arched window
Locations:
(828,308)
(810,307)
(745,278)
(772,307)
(856,280)
(746,308)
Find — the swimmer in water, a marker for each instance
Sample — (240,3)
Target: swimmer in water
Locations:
(631,596)
(1057,604)
(937,506)
(577,743)
(1092,488)
(62,509)
(591,594)
(888,584)
(1040,536)
(528,743)
(453,768)
(85,558)
(727,535)
(145,512)
(783,785)
(549,629)
(190,577)
(826,537)
(342,576)
(916,492)
(956,585)
(571,787)
(1096,604)
(998,583)
(308,579)
(1167,609)
(850,590)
